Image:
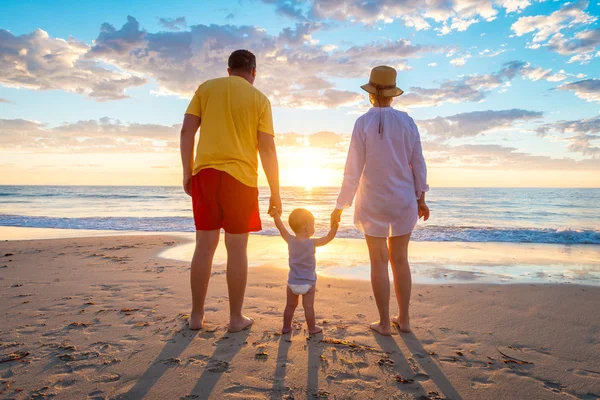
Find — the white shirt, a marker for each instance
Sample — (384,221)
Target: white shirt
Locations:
(388,171)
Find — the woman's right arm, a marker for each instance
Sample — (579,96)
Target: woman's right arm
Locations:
(355,163)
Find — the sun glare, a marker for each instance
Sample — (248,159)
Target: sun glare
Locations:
(303,167)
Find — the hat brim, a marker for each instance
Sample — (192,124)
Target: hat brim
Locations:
(393,92)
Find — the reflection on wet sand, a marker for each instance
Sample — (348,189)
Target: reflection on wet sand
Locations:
(439,262)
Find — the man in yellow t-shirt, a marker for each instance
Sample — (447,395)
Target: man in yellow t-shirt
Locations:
(235,124)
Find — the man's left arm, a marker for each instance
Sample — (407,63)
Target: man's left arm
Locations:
(191,123)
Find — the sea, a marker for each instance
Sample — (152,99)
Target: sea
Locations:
(502,215)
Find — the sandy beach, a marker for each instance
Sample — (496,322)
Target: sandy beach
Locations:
(105,317)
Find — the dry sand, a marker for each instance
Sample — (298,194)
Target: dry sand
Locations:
(96,318)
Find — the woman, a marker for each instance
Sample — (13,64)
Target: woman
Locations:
(385,165)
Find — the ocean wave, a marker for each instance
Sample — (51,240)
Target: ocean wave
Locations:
(429,233)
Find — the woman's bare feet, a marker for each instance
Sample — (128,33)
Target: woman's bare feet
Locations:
(239,324)
(403,325)
(285,330)
(384,330)
(196,321)
(314,330)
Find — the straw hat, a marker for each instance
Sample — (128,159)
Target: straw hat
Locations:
(383,82)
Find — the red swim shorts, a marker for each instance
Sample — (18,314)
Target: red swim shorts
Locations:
(221,201)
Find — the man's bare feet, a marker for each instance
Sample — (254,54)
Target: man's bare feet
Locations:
(239,324)
(285,330)
(314,330)
(384,330)
(196,321)
(403,325)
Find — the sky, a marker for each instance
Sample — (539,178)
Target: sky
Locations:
(506,93)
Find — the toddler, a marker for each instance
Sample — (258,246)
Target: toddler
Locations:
(302,276)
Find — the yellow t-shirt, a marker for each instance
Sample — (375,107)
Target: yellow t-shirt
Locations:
(231,112)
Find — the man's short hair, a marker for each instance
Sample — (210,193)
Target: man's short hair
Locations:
(300,217)
(242,60)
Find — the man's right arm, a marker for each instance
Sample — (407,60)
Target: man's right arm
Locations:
(268,158)
(191,123)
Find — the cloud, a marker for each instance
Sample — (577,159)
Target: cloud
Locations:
(446,16)
(547,29)
(585,131)
(40,62)
(179,61)
(5,101)
(515,5)
(475,123)
(497,157)
(583,42)
(587,89)
(174,24)
(461,60)
(87,136)
(473,88)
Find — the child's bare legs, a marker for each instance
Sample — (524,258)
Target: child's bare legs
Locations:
(380,281)
(402,280)
(288,314)
(308,303)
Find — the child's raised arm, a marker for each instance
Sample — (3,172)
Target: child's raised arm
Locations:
(279,224)
(326,239)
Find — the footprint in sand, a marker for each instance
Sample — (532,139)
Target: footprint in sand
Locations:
(585,372)
(480,383)
(107,378)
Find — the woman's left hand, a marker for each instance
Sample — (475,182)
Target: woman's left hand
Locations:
(423,210)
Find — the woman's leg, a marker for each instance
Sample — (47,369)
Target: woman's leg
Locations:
(290,307)
(308,303)
(380,281)
(402,279)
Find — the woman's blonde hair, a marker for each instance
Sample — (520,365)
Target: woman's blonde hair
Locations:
(382,100)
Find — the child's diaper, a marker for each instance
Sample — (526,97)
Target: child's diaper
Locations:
(299,289)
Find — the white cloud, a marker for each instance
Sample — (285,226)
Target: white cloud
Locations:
(588,89)
(432,65)
(547,29)
(460,61)
(580,58)
(179,61)
(40,62)
(475,123)
(515,5)
(585,132)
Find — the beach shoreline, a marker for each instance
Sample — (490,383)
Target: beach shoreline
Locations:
(431,262)
(106,319)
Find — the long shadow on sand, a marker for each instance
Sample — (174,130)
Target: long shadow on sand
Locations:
(160,365)
(401,367)
(279,388)
(429,366)
(218,363)
(314,363)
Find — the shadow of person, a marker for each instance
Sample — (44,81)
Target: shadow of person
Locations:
(314,363)
(401,367)
(227,347)
(164,361)
(285,342)
(429,366)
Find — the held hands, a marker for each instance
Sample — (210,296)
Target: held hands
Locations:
(423,210)
(336,217)
(275,207)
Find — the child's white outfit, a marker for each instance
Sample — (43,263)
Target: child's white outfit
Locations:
(385,165)
(303,265)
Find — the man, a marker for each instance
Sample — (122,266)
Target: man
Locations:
(235,123)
